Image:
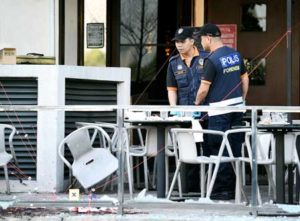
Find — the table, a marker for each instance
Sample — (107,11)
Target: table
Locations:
(279,130)
(160,159)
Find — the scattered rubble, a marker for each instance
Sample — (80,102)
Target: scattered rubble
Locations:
(43,211)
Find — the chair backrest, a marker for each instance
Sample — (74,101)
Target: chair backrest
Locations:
(113,136)
(169,147)
(79,141)
(151,141)
(2,139)
(290,148)
(265,146)
(106,126)
(3,127)
(184,141)
(235,131)
(186,145)
(168,136)
(147,139)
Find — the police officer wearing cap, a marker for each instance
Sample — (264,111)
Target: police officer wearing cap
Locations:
(185,69)
(183,80)
(224,83)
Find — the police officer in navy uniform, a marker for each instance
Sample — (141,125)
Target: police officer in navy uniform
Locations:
(185,69)
(224,83)
(183,80)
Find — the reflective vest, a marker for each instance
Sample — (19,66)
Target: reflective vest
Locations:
(226,85)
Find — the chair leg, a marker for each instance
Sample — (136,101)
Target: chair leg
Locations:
(202,181)
(243,173)
(297,185)
(167,173)
(129,174)
(240,178)
(106,183)
(270,180)
(138,177)
(153,183)
(258,195)
(212,182)
(6,179)
(238,184)
(209,172)
(146,172)
(70,176)
(178,180)
(174,179)
(258,191)
(112,182)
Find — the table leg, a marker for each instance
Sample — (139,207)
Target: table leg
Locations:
(297,186)
(290,184)
(184,178)
(280,190)
(161,184)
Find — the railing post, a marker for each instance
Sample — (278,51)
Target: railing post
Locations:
(254,162)
(120,123)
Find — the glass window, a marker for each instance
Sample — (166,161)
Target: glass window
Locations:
(257,70)
(95,21)
(254,17)
(144,70)
(139,37)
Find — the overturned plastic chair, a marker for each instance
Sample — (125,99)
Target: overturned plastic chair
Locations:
(106,126)
(5,157)
(91,165)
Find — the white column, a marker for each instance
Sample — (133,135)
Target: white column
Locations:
(51,87)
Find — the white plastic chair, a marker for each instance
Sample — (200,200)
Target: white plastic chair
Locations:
(187,153)
(240,165)
(169,152)
(90,165)
(5,157)
(103,125)
(146,147)
(290,149)
(291,156)
(114,136)
(265,155)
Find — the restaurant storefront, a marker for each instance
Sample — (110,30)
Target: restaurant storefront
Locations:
(138,33)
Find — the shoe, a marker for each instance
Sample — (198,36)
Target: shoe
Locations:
(224,195)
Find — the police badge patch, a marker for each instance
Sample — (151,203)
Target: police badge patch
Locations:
(201,63)
(179,70)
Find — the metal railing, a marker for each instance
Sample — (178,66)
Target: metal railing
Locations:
(120,122)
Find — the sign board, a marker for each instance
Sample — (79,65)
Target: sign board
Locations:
(95,35)
(229,35)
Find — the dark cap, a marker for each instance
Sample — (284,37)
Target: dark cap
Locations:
(210,30)
(183,33)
